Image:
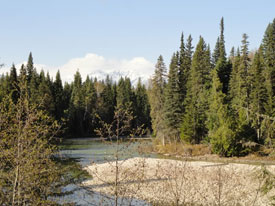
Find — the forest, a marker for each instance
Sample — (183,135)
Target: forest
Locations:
(204,96)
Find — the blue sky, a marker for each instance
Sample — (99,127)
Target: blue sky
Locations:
(57,31)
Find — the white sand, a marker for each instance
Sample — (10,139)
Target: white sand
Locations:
(170,181)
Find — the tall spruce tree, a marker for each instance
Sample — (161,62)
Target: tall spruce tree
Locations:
(89,106)
(268,46)
(58,97)
(193,128)
(156,99)
(220,124)
(30,68)
(142,107)
(242,78)
(77,106)
(44,95)
(223,67)
(185,58)
(173,103)
(233,83)
(216,53)
(258,97)
(240,93)
(109,101)
(13,84)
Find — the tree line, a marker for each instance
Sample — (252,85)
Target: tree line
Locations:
(226,101)
(79,106)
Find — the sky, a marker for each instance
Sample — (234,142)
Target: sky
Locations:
(123,37)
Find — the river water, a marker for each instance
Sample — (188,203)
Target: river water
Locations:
(87,150)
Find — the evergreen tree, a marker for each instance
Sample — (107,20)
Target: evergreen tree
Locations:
(30,68)
(241,100)
(185,58)
(216,53)
(124,96)
(180,72)
(58,97)
(220,124)
(269,60)
(193,128)
(44,95)
(109,101)
(189,53)
(89,106)
(268,46)
(77,106)
(234,84)
(13,84)
(156,99)
(258,96)
(222,66)
(142,107)
(173,104)
(23,72)
(242,78)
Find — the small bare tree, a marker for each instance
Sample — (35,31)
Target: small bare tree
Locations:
(120,134)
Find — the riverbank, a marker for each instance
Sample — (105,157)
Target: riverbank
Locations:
(180,182)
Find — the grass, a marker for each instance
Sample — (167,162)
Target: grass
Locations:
(202,152)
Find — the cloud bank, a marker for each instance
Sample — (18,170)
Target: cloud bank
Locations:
(98,66)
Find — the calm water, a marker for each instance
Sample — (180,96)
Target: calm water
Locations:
(86,151)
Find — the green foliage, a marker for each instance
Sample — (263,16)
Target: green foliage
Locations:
(223,67)
(231,107)
(28,175)
(258,96)
(222,131)
(156,99)
(193,128)
(172,103)
(143,119)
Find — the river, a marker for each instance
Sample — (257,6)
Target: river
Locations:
(87,150)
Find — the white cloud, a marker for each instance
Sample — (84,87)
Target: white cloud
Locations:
(98,66)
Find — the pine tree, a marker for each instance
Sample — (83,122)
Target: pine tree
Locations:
(23,72)
(268,46)
(240,93)
(234,84)
(109,101)
(189,54)
(180,72)
(220,124)
(173,103)
(156,99)
(30,68)
(77,106)
(44,95)
(58,97)
(193,128)
(223,67)
(89,106)
(143,119)
(269,60)
(185,58)
(258,96)
(124,93)
(242,78)
(216,53)
(13,84)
